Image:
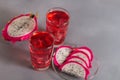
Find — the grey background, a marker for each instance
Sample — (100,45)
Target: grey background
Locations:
(94,23)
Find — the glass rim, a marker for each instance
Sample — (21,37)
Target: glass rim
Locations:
(52,45)
(58,9)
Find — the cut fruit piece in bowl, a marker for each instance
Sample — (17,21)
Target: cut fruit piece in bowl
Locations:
(82,55)
(77,59)
(85,56)
(87,50)
(61,54)
(93,72)
(75,69)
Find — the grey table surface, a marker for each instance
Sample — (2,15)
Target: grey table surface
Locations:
(94,23)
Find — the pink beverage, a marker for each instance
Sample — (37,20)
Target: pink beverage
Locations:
(57,20)
(41,46)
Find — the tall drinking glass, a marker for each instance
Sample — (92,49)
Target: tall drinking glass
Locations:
(57,20)
(41,46)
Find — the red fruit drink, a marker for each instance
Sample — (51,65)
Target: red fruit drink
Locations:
(41,46)
(57,20)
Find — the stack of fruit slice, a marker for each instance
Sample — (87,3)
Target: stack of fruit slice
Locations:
(75,61)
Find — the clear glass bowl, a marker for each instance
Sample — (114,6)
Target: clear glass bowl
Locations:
(93,71)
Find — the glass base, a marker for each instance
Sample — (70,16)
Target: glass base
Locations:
(58,45)
(41,69)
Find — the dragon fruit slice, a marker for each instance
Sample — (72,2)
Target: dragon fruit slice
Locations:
(77,59)
(87,50)
(75,68)
(82,55)
(61,54)
(20,27)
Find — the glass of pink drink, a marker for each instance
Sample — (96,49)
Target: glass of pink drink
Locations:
(41,47)
(57,20)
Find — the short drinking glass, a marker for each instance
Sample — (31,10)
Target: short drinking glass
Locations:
(57,20)
(41,46)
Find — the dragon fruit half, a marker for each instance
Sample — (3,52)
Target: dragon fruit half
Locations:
(20,27)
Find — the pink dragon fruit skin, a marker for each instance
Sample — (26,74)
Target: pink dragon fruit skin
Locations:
(87,50)
(78,59)
(56,62)
(73,63)
(20,38)
(77,53)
